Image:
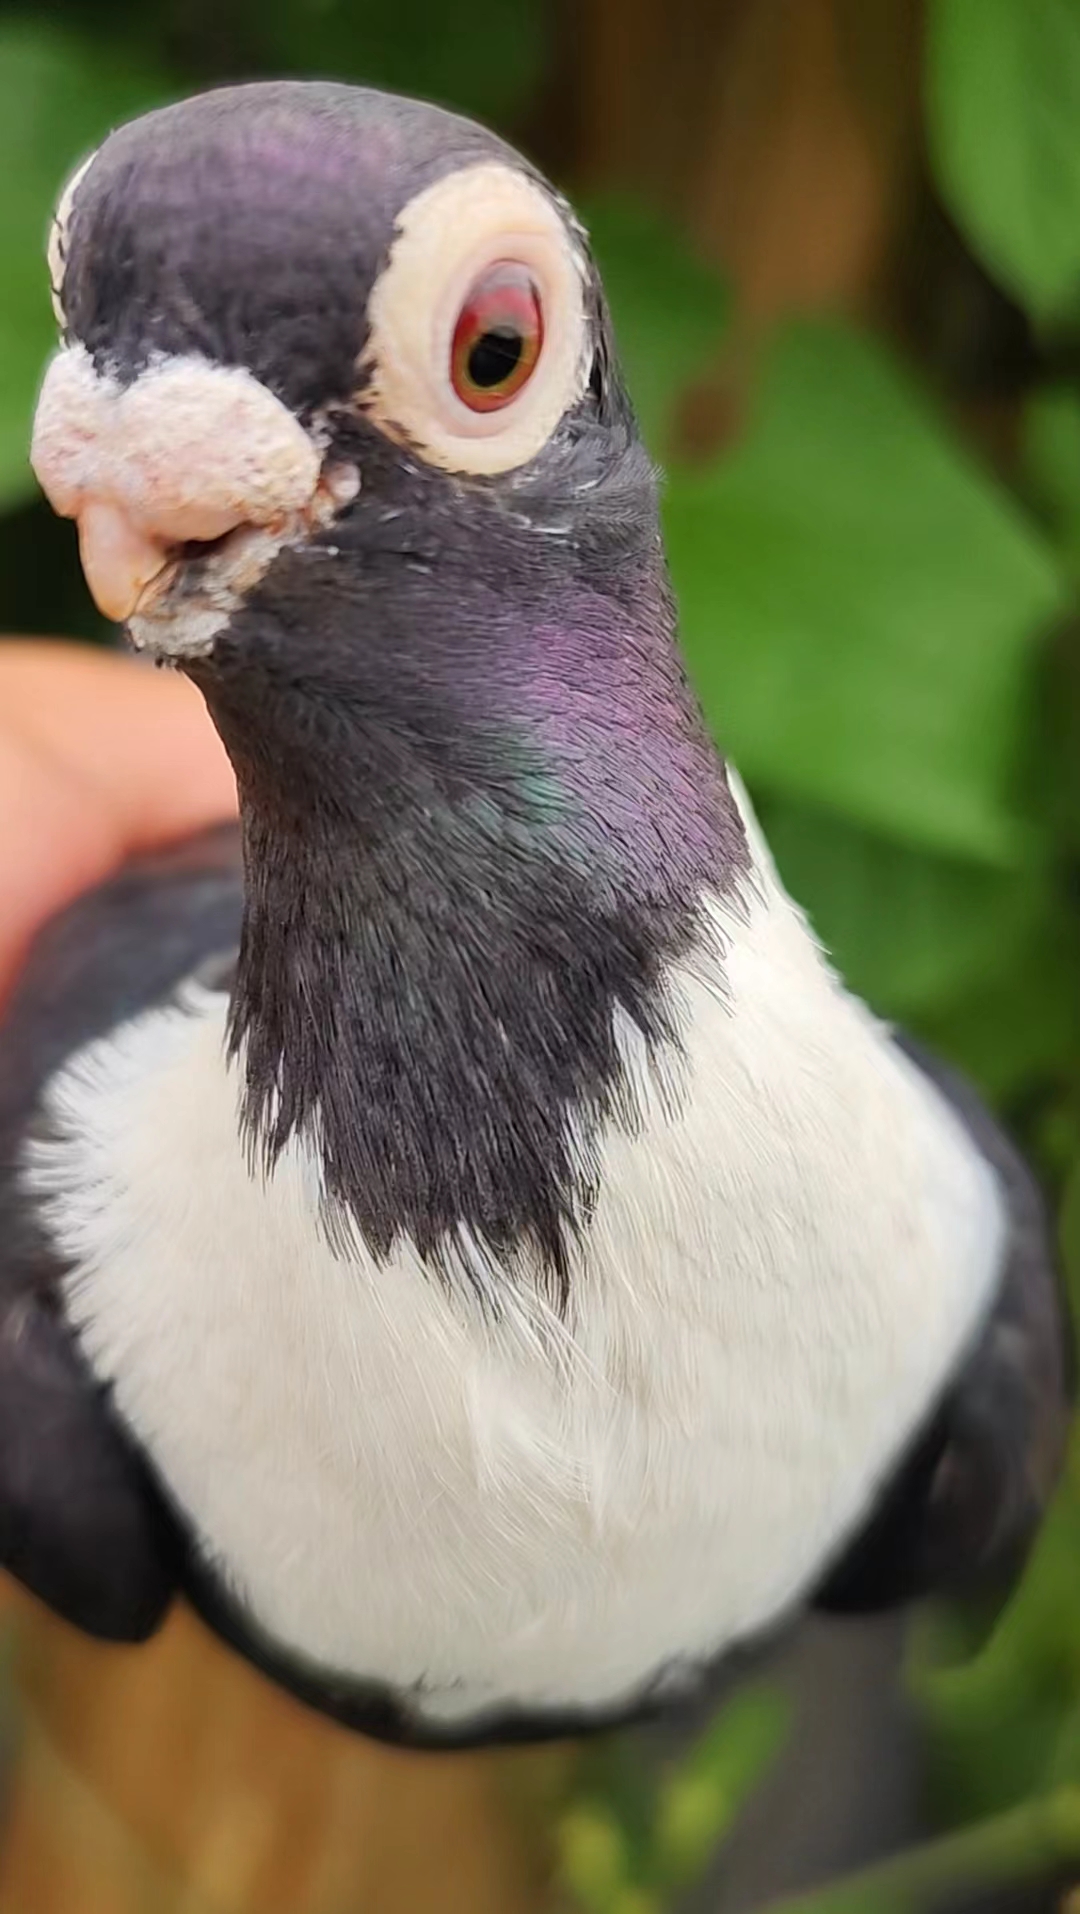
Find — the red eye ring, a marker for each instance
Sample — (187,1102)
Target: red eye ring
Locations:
(498,337)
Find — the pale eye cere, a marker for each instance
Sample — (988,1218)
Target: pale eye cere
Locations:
(478,342)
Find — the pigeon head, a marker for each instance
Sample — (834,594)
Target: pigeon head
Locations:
(338,413)
(241,278)
(337,397)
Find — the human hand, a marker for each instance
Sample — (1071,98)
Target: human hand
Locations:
(99,757)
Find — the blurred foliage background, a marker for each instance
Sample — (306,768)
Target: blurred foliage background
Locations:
(842,243)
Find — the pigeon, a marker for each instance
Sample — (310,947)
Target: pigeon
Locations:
(456,1227)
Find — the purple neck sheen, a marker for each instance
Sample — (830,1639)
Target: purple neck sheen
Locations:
(627,745)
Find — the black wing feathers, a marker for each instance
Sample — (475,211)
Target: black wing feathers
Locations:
(80,1523)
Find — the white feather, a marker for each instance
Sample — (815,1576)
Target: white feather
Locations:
(782,1269)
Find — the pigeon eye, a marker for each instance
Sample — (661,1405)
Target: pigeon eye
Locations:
(478,336)
(497,339)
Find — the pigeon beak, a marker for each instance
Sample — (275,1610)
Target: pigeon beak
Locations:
(119,559)
(182,457)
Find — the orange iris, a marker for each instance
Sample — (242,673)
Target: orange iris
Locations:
(497,338)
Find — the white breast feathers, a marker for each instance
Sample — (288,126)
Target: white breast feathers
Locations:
(783,1267)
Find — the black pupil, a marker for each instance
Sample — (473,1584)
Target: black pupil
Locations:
(495,356)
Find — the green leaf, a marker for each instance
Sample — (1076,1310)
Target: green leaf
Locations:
(701,1799)
(1051,463)
(668,309)
(1017,1027)
(59,95)
(860,603)
(592,1857)
(907,931)
(1003,107)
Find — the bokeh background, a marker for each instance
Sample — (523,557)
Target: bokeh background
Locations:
(842,244)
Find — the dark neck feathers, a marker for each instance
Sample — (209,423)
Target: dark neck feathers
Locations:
(480,815)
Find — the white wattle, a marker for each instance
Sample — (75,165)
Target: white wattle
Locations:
(783,1268)
(188,449)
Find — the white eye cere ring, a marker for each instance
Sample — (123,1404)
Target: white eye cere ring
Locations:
(56,252)
(478,338)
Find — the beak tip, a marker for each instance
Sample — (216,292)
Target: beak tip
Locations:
(119,561)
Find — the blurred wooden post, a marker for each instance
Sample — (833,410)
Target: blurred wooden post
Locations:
(172,1779)
(784,138)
